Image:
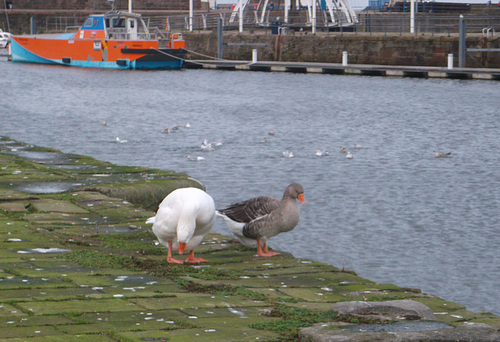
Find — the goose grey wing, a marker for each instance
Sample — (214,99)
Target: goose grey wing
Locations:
(266,225)
(249,210)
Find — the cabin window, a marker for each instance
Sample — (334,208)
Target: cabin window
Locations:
(118,22)
(89,22)
(107,22)
(131,23)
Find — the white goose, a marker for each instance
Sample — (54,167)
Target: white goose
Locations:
(256,220)
(183,219)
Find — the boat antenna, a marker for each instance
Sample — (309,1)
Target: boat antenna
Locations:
(7,15)
(113,6)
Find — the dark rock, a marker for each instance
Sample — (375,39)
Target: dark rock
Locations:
(389,310)
(332,332)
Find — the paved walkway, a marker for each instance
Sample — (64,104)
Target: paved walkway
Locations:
(77,263)
(348,69)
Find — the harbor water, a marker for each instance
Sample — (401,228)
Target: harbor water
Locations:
(394,213)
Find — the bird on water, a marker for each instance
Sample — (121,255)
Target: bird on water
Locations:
(442,155)
(258,219)
(183,219)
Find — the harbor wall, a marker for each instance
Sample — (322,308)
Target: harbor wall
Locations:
(408,50)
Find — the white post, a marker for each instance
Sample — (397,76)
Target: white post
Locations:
(254,56)
(344,58)
(450,61)
(314,17)
(412,16)
(191,15)
(129,6)
(287,9)
(241,18)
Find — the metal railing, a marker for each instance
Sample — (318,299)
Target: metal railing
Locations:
(371,23)
(63,24)
(425,23)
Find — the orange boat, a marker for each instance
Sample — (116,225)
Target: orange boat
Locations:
(115,40)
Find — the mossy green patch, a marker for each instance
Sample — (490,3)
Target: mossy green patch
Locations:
(33,321)
(46,294)
(42,332)
(149,193)
(11,311)
(292,319)
(77,306)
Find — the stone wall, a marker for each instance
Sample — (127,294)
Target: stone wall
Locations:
(362,49)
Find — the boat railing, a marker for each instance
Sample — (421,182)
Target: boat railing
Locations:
(158,34)
(71,29)
(122,34)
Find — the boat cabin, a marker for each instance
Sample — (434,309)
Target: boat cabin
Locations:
(4,39)
(114,25)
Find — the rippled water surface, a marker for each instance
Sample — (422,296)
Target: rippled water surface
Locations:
(394,213)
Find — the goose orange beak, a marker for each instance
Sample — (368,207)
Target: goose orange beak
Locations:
(301,198)
(182,246)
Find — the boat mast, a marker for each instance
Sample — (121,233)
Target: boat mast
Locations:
(129,6)
(113,8)
(7,16)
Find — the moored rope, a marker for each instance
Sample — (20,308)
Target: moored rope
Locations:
(191,61)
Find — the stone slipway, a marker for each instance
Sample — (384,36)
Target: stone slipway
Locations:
(77,263)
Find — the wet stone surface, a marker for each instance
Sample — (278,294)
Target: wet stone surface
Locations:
(82,265)
(398,327)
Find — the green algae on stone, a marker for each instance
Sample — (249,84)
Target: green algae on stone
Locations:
(148,194)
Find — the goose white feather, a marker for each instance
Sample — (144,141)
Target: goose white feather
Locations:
(183,219)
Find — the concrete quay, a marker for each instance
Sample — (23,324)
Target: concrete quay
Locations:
(349,69)
(78,263)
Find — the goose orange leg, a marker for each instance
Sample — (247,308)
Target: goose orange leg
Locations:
(192,259)
(265,252)
(171,260)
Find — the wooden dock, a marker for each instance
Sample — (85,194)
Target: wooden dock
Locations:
(350,69)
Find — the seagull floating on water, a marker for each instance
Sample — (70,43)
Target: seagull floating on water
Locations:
(166,130)
(120,141)
(343,149)
(175,128)
(357,146)
(271,132)
(195,158)
(288,154)
(206,146)
(258,219)
(188,125)
(320,153)
(349,155)
(104,123)
(442,155)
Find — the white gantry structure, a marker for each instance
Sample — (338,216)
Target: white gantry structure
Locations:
(334,12)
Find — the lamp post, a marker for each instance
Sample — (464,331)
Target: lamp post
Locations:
(412,16)
(190,15)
